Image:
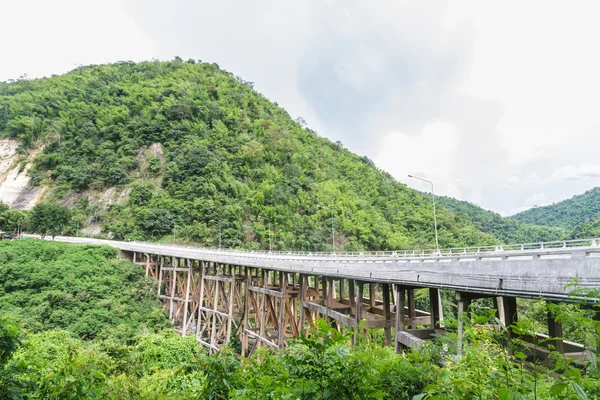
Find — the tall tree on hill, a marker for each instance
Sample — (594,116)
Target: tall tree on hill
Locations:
(49,218)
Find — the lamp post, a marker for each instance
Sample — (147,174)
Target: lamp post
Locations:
(437,246)
(270,242)
(332,228)
(174,233)
(219,222)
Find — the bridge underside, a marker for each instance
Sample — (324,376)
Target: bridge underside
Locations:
(259,307)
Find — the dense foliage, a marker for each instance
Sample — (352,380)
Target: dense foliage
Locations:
(49,288)
(590,229)
(184,148)
(567,213)
(82,289)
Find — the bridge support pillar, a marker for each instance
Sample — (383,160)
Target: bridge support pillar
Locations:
(435,302)
(400,300)
(555,331)
(220,302)
(509,306)
(272,317)
(464,301)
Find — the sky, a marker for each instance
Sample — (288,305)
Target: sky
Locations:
(495,102)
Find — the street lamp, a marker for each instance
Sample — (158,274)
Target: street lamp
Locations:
(270,242)
(219,234)
(332,228)
(174,233)
(213,221)
(437,246)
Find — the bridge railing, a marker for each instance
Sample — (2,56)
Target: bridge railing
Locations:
(448,252)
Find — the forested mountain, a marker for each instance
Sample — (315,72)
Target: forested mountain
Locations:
(145,150)
(567,214)
(506,229)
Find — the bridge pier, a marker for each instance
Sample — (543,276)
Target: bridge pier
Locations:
(221,297)
(272,314)
(414,318)
(555,331)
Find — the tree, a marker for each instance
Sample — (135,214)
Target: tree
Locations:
(158,221)
(49,217)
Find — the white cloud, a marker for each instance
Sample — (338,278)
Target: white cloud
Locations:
(581,172)
(427,154)
(41,38)
(537,200)
(539,64)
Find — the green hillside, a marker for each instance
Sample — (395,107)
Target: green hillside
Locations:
(506,229)
(146,150)
(567,213)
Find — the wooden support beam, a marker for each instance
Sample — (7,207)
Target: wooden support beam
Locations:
(213,334)
(283,280)
(172,293)
(401,298)
(411,304)
(263,306)
(303,289)
(246,312)
(187,299)
(358,308)
(330,313)
(160,275)
(372,294)
(387,314)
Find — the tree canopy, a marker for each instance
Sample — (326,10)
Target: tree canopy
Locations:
(566,214)
(49,218)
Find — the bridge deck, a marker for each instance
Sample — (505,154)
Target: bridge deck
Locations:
(535,273)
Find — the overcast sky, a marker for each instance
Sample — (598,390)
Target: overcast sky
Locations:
(496,102)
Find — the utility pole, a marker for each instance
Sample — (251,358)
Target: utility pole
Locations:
(332,231)
(270,239)
(437,246)
(332,227)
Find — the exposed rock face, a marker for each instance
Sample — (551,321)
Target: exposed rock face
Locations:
(15,188)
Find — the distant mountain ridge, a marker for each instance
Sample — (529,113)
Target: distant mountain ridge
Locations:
(509,231)
(567,214)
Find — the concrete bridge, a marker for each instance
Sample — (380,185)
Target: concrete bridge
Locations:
(264,298)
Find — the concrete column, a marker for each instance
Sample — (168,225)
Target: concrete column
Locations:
(510,313)
(434,301)
(555,330)
(387,314)
(303,288)
(187,298)
(401,298)
(412,313)
(359,297)
(499,306)
(371,295)
(464,301)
